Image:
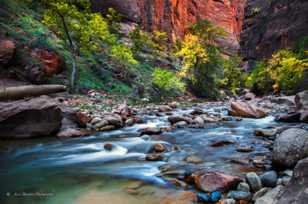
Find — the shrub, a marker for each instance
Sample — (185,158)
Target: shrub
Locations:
(283,72)
(167,82)
(233,76)
(259,80)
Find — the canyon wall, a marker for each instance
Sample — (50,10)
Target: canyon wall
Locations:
(175,16)
(255,27)
(272,25)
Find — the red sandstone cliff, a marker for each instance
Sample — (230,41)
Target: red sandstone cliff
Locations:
(174,16)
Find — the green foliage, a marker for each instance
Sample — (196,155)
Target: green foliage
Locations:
(201,58)
(167,82)
(123,54)
(259,80)
(286,69)
(233,76)
(142,41)
(283,72)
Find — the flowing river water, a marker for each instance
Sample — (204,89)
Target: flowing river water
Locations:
(81,170)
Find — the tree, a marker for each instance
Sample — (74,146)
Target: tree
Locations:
(201,58)
(81,30)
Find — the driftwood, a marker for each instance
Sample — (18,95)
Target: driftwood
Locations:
(18,92)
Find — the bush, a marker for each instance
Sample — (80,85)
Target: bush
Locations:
(283,72)
(167,82)
(233,76)
(259,80)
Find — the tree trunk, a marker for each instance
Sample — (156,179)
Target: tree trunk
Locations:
(19,92)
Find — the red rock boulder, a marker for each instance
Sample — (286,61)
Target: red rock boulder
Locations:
(215,181)
(7,49)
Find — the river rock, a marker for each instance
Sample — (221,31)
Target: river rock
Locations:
(254,181)
(292,117)
(101,123)
(150,131)
(180,124)
(271,197)
(197,111)
(114,119)
(215,181)
(269,179)
(228,201)
(243,187)
(159,148)
(260,193)
(154,157)
(297,190)
(245,148)
(193,159)
(290,146)
(249,96)
(199,122)
(164,108)
(72,132)
(301,100)
(245,110)
(220,143)
(265,132)
(7,49)
(34,117)
(176,119)
(239,195)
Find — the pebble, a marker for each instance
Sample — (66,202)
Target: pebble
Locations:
(193,159)
(254,181)
(202,197)
(269,179)
(180,124)
(154,157)
(108,146)
(239,195)
(159,148)
(215,196)
(243,187)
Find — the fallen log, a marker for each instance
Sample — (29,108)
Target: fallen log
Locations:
(18,92)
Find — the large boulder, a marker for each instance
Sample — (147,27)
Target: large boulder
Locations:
(7,49)
(245,110)
(29,118)
(290,146)
(296,191)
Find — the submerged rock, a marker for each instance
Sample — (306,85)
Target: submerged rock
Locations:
(34,117)
(150,131)
(290,146)
(215,181)
(265,132)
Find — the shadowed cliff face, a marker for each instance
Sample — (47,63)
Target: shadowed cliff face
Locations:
(175,16)
(272,25)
